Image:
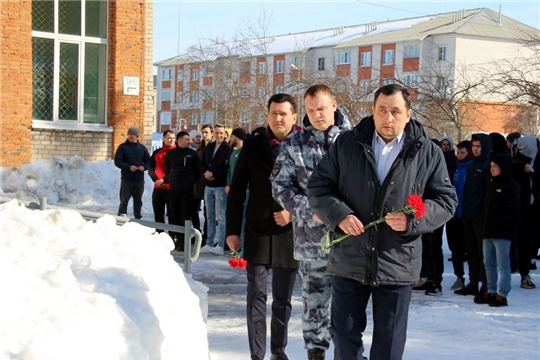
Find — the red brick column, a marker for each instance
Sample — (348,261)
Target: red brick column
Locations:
(127,42)
(16,82)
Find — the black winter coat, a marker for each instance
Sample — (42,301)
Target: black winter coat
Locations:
(181,168)
(217,164)
(346,181)
(501,212)
(129,154)
(477,181)
(265,242)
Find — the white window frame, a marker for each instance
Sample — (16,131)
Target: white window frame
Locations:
(411,51)
(194,74)
(297,62)
(365,86)
(411,80)
(166,94)
(180,75)
(387,81)
(165,118)
(443,53)
(166,74)
(440,85)
(365,59)
(206,73)
(280,66)
(388,57)
(194,96)
(278,89)
(207,117)
(344,58)
(194,119)
(262,68)
(245,116)
(81,41)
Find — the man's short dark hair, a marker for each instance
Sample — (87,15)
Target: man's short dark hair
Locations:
(281,98)
(392,89)
(465,144)
(313,90)
(207,126)
(167,132)
(181,134)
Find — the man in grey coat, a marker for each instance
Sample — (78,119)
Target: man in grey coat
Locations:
(299,155)
(368,174)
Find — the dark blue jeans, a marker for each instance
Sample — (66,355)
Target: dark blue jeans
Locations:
(349,320)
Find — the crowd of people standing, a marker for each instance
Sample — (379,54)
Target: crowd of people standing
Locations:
(276,193)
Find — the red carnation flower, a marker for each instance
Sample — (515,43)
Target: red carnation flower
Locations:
(415,201)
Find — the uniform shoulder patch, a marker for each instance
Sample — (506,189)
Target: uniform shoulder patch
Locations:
(276,169)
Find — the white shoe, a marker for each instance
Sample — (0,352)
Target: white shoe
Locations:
(206,249)
(218,250)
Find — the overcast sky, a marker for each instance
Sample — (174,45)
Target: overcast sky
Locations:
(189,20)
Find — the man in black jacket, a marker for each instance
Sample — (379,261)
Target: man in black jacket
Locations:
(476,184)
(368,174)
(181,167)
(132,159)
(268,240)
(214,167)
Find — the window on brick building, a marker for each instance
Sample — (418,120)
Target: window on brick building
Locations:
(388,57)
(262,68)
(166,74)
(165,118)
(280,66)
(194,74)
(69,62)
(207,118)
(194,119)
(166,94)
(365,58)
(442,53)
(180,75)
(344,58)
(411,80)
(246,116)
(411,51)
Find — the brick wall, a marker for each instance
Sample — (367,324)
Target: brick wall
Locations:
(92,146)
(16,82)
(130,54)
(130,49)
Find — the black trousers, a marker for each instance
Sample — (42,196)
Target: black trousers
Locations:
(282,288)
(474,248)
(456,244)
(181,204)
(127,191)
(432,255)
(161,204)
(528,219)
(390,315)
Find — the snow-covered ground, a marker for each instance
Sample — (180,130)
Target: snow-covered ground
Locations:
(73,289)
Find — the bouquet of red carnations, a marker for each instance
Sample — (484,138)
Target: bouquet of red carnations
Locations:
(237,261)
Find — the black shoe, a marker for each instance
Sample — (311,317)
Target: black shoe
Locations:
(279,356)
(533,266)
(467,290)
(423,287)
(434,290)
(315,354)
(483,298)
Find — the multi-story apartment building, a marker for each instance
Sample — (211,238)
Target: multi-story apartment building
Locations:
(446,57)
(75,76)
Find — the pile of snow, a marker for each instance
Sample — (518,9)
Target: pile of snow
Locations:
(74,289)
(71,183)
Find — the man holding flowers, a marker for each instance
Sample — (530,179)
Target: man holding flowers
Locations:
(369,174)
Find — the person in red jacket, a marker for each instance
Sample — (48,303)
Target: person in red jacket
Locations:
(160,195)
